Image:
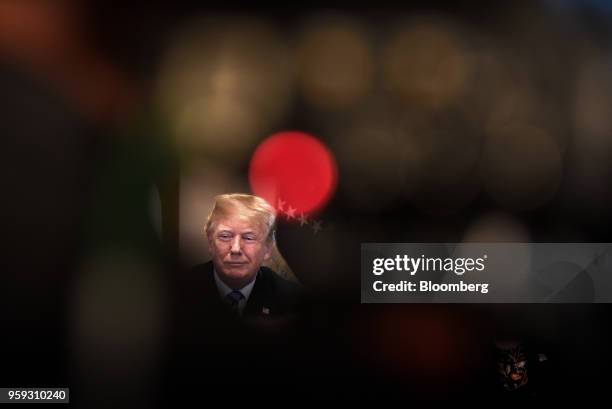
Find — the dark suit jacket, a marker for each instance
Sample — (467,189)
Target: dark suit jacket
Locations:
(272,295)
(199,313)
(207,340)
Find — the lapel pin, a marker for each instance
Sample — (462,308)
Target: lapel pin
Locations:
(265,311)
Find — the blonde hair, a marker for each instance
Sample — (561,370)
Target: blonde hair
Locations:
(249,207)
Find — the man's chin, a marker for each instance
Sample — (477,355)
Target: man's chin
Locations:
(237,272)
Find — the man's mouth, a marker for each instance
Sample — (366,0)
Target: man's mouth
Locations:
(235,264)
(516,376)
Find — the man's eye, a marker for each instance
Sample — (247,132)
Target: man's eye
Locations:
(249,238)
(225,237)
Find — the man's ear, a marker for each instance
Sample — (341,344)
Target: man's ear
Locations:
(269,249)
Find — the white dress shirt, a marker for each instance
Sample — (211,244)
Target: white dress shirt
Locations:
(224,290)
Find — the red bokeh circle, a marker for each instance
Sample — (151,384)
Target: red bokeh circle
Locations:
(293,170)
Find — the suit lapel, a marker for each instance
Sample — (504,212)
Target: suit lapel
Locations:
(206,289)
(258,300)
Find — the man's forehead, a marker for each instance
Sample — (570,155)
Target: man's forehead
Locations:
(238,224)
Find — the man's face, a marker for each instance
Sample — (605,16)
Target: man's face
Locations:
(238,248)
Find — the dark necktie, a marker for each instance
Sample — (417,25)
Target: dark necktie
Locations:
(234,299)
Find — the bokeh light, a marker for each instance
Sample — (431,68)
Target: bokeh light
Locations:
(293,169)
(496,227)
(512,265)
(590,171)
(522,166)
(28,29)
(373,160)
(118,316)
(514,103)
(334,62)
(426,64)
(424,346)
(488,75)
(448,177)
(223,83)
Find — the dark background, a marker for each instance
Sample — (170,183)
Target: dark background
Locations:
(497,128)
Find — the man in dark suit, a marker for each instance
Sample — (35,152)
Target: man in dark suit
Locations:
(270,294)
(241,236)
(232,312)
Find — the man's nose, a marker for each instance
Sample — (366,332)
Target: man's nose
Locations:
(235,248)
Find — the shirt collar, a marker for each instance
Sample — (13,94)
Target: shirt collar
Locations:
(224,290)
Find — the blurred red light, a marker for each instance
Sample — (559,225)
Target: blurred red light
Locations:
(293,170)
